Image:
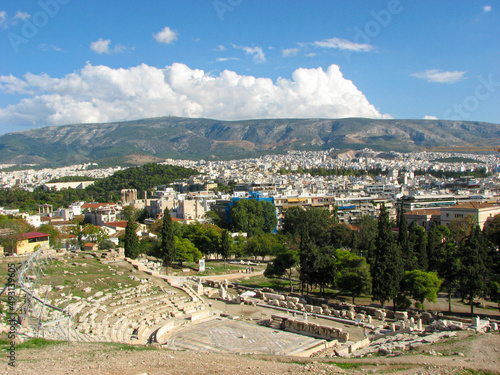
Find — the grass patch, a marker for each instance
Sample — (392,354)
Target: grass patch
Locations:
(38,343)
(469,371)
(137,348)
(395,369)
(348,365)
(218,268)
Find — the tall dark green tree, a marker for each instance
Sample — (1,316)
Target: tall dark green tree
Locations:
(418,240)
(225,246)
(406,247)
(387,270)
(448,267)
(473,269)
(435,238)
(167,248)
(131,240)
(366,237)
(310,232)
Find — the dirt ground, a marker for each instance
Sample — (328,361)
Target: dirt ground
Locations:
(478,352)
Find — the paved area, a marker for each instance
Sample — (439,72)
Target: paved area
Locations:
(232,336)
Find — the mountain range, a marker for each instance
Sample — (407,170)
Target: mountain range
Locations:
(195,138)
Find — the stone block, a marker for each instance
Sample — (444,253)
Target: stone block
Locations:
(401,315)
(361,317)
(294,300)
(272,296)
(317,310)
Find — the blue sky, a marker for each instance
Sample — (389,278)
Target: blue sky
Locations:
(73,61)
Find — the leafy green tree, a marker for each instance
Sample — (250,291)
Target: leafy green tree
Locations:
(167,248)
(186,251)
(238,245)
(353,274)
(253,217)
(132,213)
(89,232)
(55,236)
(213,218)
(261,245)
(325,268)
(131,240)
(387,270)
(284,264)
(206,237)
(13,228)
(150,246)
(106,245)
(421,285)
(312,224)
(342,237)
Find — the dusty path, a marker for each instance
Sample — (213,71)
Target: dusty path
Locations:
(478,352)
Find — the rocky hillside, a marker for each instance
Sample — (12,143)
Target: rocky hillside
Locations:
(205,138)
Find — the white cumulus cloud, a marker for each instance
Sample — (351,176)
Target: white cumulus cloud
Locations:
(3,19)
(439,76)
(166,36)
(103,94)
(344,45)
(487,8)
(223,59)
(50,47)
(427,117)
(290,52)
(22,15)
(257,54)
(100,46)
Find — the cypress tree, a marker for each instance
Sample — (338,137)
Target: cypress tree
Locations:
(420,247)
(404,243)
(387,270)
(473,270)
(225,246)
(131,240)
(167,248)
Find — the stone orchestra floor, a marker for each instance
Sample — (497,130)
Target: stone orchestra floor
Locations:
(233,336)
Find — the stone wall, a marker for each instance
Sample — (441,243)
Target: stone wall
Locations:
(311,329)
